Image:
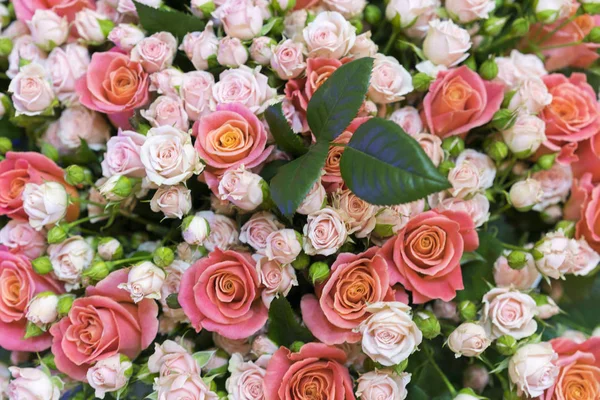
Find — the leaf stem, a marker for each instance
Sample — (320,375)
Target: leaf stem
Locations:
(440,372)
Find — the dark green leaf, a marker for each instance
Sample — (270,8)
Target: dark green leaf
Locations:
(580,303)
(383,165)
(270,169)
(469,257)
(157,20)
(335,104)
(284,328)
(11,131)
(84,155)
(285,138)
(295,179)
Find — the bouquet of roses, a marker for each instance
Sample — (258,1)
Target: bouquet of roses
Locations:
(300,199)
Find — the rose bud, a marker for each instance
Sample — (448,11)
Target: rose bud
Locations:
(172,201)
(65,302)
(545,306)
(144,281)
(163,256)
(75,175)
(469,340)
(32,383)
(446,43)
(42,265)
(5,143)
(533,369)
(517,259)
(32,92)
(109,374)
(261,49)
(231,53)
(467,310)
(525,194)
(262,345)
(45,204)
(201,47)
(43,309)
(92,26)
(506,345)
(525,136)
(97,271)
(548,11)
(202,8)
(242,188)
(126,36)
(116,188)
(428,324)
(476,377)
(195,229)
(240,18)
(57,234)
(318,272)
(48,30)
(110,249)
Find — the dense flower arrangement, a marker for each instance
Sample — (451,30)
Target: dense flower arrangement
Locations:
(300,200)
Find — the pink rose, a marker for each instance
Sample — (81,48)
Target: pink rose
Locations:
(167,110)
(446,43)
(282,246)
(261,49)
(48,29)
(432,145)
(314,200)
(223,231)
(171,360)
(31,90)
(88,26)
(171,285)
(155,52)
(80,123)
(230,137)
(191,387)
(246,381)
(232,52)
(242,188)
(221,293)
(240,18)
(20,284)
(109,374)
(172,201)
(22,240)
(425,256)
(258,228)
(200,47)
(556,185)
(196,92)
(324,233)
(460,100)
(66,65)
(24,49)
(358,215)
(31,383)
(24,9)
(166,82)
(364,279)
(588,154)
(409,119)
(113,84)
(276,278)
(507,311)
(122,155)
(245,86)
(383,384)
(84,336)
(329,35)
(126,36)
(315,370)
(287,60)
(363,46)
(477,207)
(390,81)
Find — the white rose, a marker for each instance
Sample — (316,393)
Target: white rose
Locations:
(242,188)
(262,345)
(223,231)
(24,50)
(109,248)
(45,204)
(446,43)
(390,81)
(532,368)
(31,383)
(42,309)
(276,278)
(508,312)
(556,185)
(31,90)
(246,86)
(240,18)
(167,110)
(109,374)
(430,69)
(525,136)
(548,309)
(314,200)
(126,36)
(283,246)
(231,52)
(329,35)
(526,194)
(195,230)
(469,340)
(363,46)
(465,179)
(246,379)
(583,259)
(514,70)
(324,232)
(287,59)
(348,8)
(258,228)
(382,384)
(555,252)
(169,156)
(155,52)
(172,201)
(531,96)
(48,30)
(80,123)
(551,10)
(69,259)
(389,333)
(470,10)
(196,90)
(144,281)
(407,11)
(485,166)
(88,25)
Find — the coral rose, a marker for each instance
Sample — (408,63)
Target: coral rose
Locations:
(104,323)
(114,85)
(574,114)
(316,371)
(588,155)
(19,169)
(221,293)
(18,285)
(340,303)
(24,9)
(425,256)
(584,207)
(460,100)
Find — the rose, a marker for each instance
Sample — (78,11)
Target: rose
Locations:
(79,123)
(582,207)
(48,30)
(404,13)
(469,340)
(246,86)
(329,35)
(242,188)
(18,169)
(446,43)
(324,232)
(122,155)
(549,11)
(21,239)
(588,154)
(170,286)
(408,118)
(88,26)
(31,383)
(215,286)
(574,114)
(261,49)
(425,256)
(109,375)
(363,46)
(23,50)
(282,246)
(196,93)
(109,249)
(464,178)
(294,23)
(172,201)
(67,64)
(230,346)
(126,36)
(192,387)
(460,100)
(230,137)
(556,184)
(524,195)
(508,312)
(358,215)
(476,377)
(582,258)
(69,258)
(195,230)
(531,96)
(258,228)
(25,9)
(232,52)
(318,70)
(171,360)
(246,381)
(315,370)
(390,81)
(169,156)
(262,345)
(391,219)
(341,302)
(478,207)
(31,90)
(80,339)
(223,231)
(241,19)
(19,285)
(522,279)
(484,165)
(167,110)
(155,52)
(513,71)
(287,59)
(432,145)
(45,204)
(314,200)
(389,334)
(553,254)
(532,368)
(276,278)
(348,8)
(15,29)
(144,281)
(579,372)
(383,384)
(525,136)
(470,10)
(200,47)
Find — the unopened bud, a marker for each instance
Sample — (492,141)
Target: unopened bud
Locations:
(57,234)
(497,150)
(445,167)
(173,301)
(471,63)
(493,25)
(372,14)
(427,323)
(421,82)
(163,256)
(568,228)
(454,145)
(65,302)
(74,175)
(503,119)
(467,310)
(109,249)
(546,161)
(296,346)
(519,27)
(318,272)
(49,151)
(32,330)
(97,271)
(517,259)
(506,345)
(301,262)
(42,265)
(488,69)
(5,145)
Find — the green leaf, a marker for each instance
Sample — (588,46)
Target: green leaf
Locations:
(469,257)
(203,357)
(384,166)
(270,169)
(285,138)
(336,103)
(84,155)
(157,20)
(295,179)
(284,328)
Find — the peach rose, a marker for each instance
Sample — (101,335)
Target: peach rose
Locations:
(588,155)
(317,72)
(276,278)
(583,207)
(340,303)
(460,100)
(358,215)
(425,256)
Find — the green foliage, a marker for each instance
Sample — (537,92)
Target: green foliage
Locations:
(284,328)
(285,138)
(158,20)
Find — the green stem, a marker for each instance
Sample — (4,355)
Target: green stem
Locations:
(131,260)
(502,380)
(447,382)
(85,201)
(558,46)
(86,219)
(390,41)
(513,247)
(149,224)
